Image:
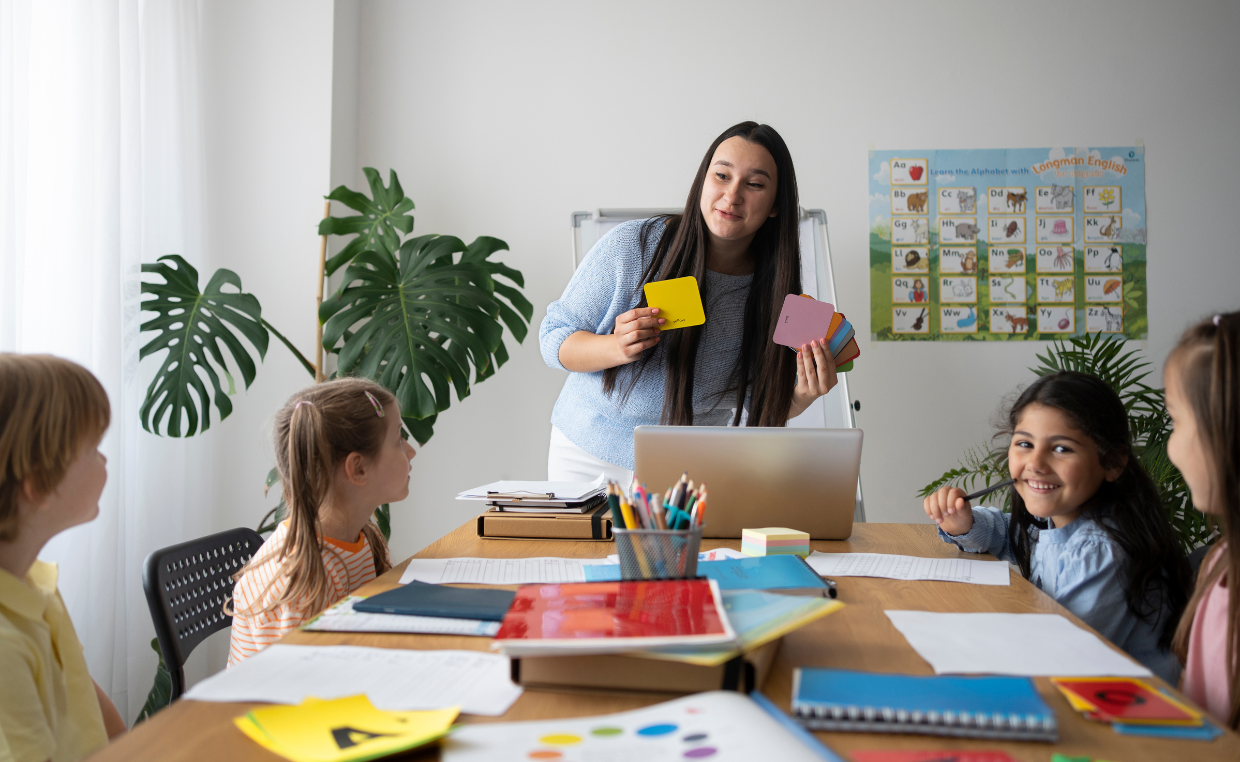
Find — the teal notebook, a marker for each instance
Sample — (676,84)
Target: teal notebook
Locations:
(1007,708)
(779,574)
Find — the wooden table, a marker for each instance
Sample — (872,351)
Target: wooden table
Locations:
(858,637)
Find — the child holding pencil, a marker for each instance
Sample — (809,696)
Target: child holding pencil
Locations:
(1087,525)
(1202,377)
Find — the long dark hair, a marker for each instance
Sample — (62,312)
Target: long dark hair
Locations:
(681,251)
(1206,364)
(1128,509)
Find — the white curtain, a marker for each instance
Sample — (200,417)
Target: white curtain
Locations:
(101,170)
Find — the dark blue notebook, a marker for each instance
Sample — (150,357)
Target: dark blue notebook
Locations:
(973,707)
(422,599)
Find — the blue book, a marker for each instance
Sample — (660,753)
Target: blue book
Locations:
(1007,708)
(422,599)
(789,575)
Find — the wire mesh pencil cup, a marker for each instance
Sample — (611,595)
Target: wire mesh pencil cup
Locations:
(658,553)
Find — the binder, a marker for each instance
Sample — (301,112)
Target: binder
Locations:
(593,525)
(993,707)
(627,672)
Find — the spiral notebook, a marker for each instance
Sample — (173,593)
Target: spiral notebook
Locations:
(994,707)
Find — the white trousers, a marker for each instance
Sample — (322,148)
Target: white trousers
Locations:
(566,462)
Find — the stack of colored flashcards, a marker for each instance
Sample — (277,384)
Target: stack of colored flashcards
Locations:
(804,320)
(1135,707)
(774,541)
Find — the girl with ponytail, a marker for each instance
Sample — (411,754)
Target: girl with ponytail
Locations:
(340,455)
(1203,397)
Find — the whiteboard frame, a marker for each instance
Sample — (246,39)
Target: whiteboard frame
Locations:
(585,228)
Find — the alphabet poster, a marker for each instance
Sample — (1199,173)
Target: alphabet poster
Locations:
(1007,244)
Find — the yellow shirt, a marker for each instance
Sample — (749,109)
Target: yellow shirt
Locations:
(48,707)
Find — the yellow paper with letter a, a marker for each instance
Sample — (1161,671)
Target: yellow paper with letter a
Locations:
(342,730)
(678,300)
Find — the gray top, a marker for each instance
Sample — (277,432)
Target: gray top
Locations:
(606,285)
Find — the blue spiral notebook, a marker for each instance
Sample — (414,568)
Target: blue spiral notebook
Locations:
(995,707)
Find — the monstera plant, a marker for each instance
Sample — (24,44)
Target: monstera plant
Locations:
(415,315)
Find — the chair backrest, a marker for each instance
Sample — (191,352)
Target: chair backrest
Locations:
(186,586)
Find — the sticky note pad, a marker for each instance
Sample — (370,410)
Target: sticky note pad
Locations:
(802,321)
(773,541)
(678,300)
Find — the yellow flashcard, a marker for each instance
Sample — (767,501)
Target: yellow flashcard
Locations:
(342,730)
(678,300)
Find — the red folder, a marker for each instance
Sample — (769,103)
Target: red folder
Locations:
(613,617)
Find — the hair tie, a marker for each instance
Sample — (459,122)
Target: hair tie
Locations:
(303,402)
(1216,319)
(375,403)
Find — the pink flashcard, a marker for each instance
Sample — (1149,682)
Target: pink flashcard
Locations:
(802,321)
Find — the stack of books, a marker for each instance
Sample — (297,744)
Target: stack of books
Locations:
(533,510)
(1135,707)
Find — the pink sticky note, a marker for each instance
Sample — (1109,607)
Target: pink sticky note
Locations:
(802,321)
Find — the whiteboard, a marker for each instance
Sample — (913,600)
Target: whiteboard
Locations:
(832,411)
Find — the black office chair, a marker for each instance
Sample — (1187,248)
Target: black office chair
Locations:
(186,586)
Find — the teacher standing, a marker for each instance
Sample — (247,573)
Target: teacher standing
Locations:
(738,235)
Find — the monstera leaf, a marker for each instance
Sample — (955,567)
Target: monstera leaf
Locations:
(378,223)
(422,314)
(191,325)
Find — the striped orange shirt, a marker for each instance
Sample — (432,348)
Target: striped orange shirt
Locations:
(348,566)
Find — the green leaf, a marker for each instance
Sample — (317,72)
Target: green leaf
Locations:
(418,320)
(376,227)
(383,518)
(160,694)
(191,325)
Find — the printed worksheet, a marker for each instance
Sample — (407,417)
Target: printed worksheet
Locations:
(392,678)
(498,571)
(909,568)
(1007,244)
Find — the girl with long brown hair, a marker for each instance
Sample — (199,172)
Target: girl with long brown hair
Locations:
(340,455)
(738,236)
(1203,397)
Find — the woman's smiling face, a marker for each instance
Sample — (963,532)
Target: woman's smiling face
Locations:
(1056,466)
(738,194)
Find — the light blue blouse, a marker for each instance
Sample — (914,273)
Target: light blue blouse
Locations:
(1078,565)
(605,285)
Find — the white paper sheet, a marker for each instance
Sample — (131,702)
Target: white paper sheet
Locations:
(909,568)
(394,679)
(497,571)
(1010,644)
(562,490)
(717,726)
(342,618)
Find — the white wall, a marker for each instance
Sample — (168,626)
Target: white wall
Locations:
(267,84)
(502,118)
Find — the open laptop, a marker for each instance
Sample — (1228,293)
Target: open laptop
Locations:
(804,479)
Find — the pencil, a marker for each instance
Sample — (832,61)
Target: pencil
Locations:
(988,490)
(613,504)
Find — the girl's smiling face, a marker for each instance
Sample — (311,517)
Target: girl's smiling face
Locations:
(1056,466)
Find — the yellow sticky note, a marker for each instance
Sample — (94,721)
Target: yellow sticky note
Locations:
(342,730)
(678,300)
